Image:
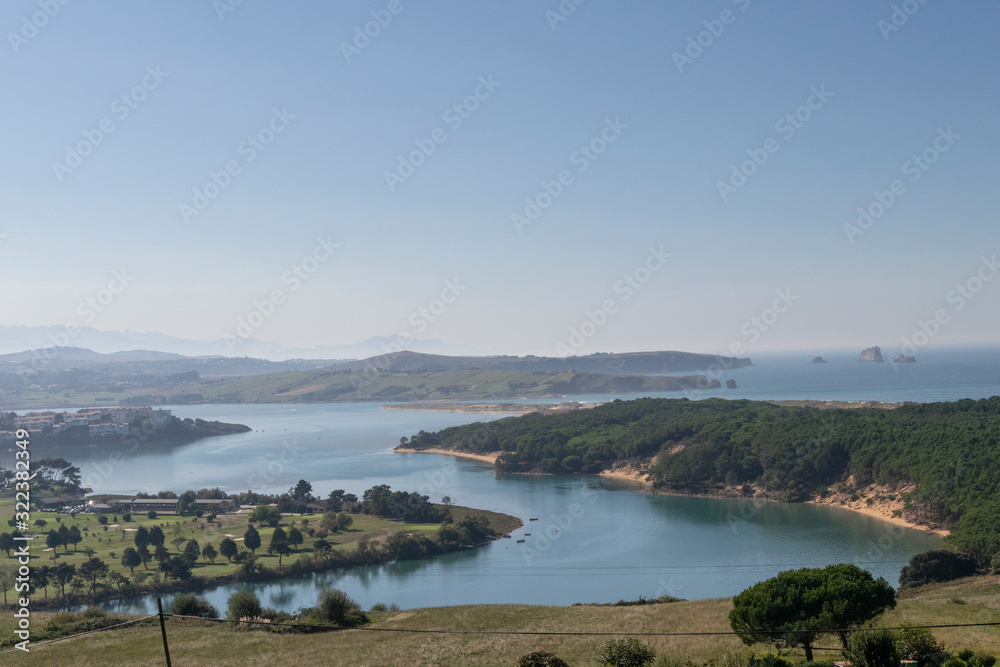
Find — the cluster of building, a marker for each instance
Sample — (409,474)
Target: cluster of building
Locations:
(98,422)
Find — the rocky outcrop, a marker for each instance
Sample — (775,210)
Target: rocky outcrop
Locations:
(871,354)
(715,384)
(818,360)
(903,359)
(730,384)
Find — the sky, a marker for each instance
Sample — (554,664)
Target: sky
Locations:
(520,177)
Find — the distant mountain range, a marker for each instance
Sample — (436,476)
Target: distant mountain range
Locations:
(18,338)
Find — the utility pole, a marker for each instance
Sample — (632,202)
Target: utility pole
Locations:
(163,630)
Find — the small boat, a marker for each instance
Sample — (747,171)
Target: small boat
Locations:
(519,541)
(506,537)
(527,534)
(533,519)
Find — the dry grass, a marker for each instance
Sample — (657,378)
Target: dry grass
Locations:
(199,643)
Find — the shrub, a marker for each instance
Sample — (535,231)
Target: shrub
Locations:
(995,565)
(379,606)
(242,604)
(918,644)
(150,514)
(335,606)
(101,519)
(873,648)
(126,517)
(189,604)
(626,653)
(541,659)
(936,565)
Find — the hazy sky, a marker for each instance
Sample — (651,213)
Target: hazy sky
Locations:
(117,114)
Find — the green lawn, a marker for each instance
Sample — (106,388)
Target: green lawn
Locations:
(108,542)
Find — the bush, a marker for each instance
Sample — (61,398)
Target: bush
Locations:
(995,565)
(189,604)
(918,644)
(626,653)
(150,514)
(101,519)
(242,604)
(126,517)
(541,659)
(873,648)
(936,565)
(335,606)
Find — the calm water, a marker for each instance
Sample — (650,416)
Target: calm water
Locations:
(611,542)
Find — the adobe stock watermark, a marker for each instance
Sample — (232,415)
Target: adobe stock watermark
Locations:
(248,150)
(562,12)
(420,319)
(121,108)
(958,298)
(294,278)
(915,168)
(270,467)
(363,35)
(752,330)
(627,286)
(714,28)
(223,7)
(455,115)
(88,309)
(786,127)
(557,526)
(31,25)
(899,17)
(581,158)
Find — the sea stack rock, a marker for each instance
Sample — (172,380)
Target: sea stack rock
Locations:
(730,384)
(818,360)
(903,359)
(715,384)
(871,354)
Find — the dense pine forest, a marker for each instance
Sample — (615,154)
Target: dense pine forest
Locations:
(948,450)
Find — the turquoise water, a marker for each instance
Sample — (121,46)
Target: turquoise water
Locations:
(612,542)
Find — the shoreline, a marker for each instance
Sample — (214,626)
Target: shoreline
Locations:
(485,458)
(634,475)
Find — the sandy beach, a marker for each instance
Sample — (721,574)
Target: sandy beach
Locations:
(491,457)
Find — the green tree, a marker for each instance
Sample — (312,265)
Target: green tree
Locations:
(242,604)
(978,532)
(64,573)
(302,491)
(41,577)
(7,543)
(251,539)
(176,567)
(141,537)
(265,515)
(52,540)
(93,569)
(192,551)
(75,536)
(156,537)
(873,648)
(918,644)
(935,566)
(8,578)
(177,542)
(279,544)
(64,537)
(799,604)
(626,653)
(295,537)
(131,559)
(228,548)
(209,552)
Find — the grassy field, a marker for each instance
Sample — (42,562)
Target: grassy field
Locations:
(330,386)
(199,643)
(108,542)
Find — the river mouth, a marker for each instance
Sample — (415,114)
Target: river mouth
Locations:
(594,540)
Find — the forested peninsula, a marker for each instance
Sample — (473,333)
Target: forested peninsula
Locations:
(938,457)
